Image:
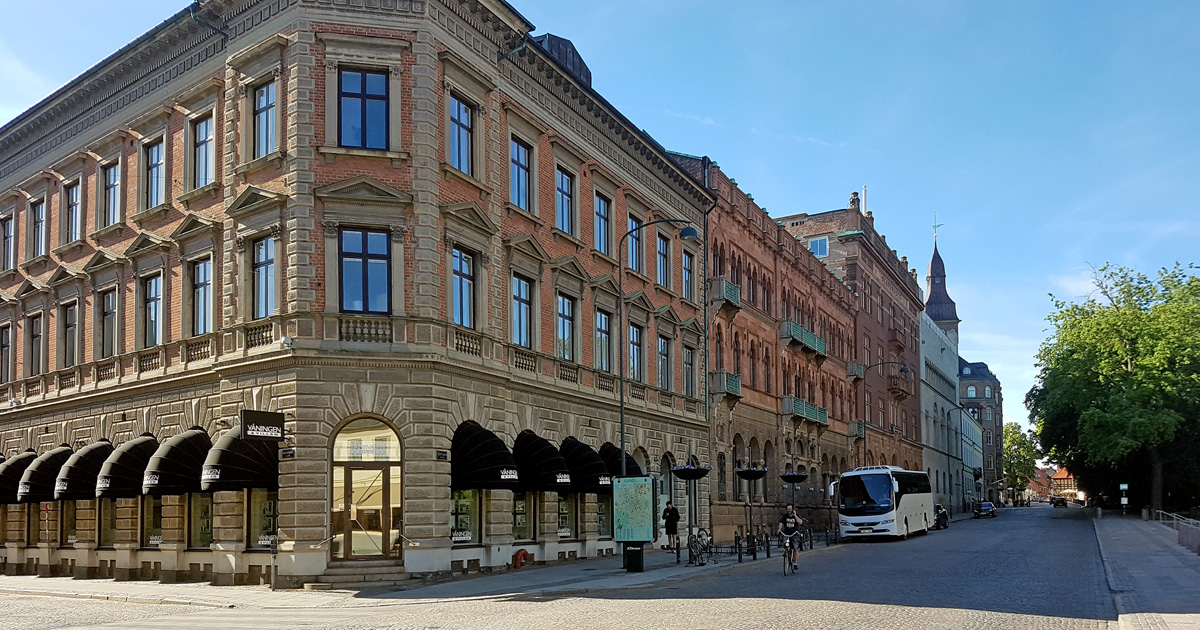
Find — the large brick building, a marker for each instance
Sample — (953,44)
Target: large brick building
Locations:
(395,222)
(979,391)
(781,331)
(887,332)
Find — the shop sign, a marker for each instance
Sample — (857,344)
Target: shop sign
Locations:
(564,532)
(210,474)
(287,453)
(508,474)
(103,483)
(71,540)
(150,480)
(61,486)
(262,425)
(563,478)
(267,540)
(605,480)
(376,450)
(460,536)
(155,541)
(23,487)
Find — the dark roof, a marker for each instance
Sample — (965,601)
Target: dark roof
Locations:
(938,304)
(979,370)
(690,163)
(564,51)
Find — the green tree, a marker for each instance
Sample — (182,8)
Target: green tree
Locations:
(1020,457)
(1119,376)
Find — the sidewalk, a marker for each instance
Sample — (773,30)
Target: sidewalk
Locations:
(1155,582)
(558,579)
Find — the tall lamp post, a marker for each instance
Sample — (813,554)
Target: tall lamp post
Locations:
(904,369)
(688,233)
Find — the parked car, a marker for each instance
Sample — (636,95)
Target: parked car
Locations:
(1059,502)
(984,509)
(941,517)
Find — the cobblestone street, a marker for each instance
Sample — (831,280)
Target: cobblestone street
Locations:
(1022,570)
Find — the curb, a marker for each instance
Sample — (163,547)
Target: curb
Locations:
(1115,584)
(131,599)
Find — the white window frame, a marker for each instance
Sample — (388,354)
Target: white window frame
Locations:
(823,246)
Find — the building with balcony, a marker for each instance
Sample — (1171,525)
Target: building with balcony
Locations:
(394,223)
(979,391)
(887,328)
(780,326)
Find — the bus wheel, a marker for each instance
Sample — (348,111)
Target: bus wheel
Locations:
(904,536)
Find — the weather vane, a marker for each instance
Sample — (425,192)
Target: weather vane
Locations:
(936,225)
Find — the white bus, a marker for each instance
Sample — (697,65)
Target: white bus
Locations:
(883,501)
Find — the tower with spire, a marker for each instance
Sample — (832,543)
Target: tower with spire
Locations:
(938,305)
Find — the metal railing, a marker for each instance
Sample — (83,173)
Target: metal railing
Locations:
(1172,520)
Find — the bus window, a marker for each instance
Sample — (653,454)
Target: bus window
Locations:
(862,495)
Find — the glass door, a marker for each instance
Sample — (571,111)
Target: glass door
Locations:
(364,523)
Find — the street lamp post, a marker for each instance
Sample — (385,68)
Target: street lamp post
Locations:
(904,369)
(688,233)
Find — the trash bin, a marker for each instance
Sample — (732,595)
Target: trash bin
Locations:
(1145,514)
(635,559)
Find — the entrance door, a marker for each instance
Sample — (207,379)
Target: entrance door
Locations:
(365,498)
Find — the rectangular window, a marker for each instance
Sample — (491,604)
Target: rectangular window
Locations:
(568,525)
(464,517)
(5,354)
(68,524)
(106,523)
(152,514)
(152,311)
(635,245)
(664,260)
(72,222)
(8,244)
(108,323)
(464,288)
(264,120)
(202,297)
(70,331)
(819,247)
(200,520)
(603,221)
(264,277)
(689,371)
(263,515)
(37,213)
(366,261)
(460,135)
(664,363)
(564,201)
(524,519)
(518,174)
(203,152)
(689,276)
(111,210)
(156,175)
(604,510)
(35,345)
(564,338)
(603,341)
(635,353)
(33,524)
(522,306)
(364,109)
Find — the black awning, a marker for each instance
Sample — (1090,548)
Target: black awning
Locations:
(176,465)
(589,473)
(480,460)
(540,465)
(77,477)
(612,458)
(37,483)
(235,463)
(11,472)
(121,475)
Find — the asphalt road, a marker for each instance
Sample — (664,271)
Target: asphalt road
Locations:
(1022,570)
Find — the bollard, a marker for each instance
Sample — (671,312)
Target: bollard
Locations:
(737,542)
(767,545)
(676,551)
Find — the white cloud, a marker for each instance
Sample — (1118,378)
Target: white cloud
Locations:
(707,121)
(22,86)
(1077,285)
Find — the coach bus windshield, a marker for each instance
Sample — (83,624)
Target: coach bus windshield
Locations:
(864,495)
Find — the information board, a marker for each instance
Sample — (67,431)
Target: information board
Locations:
(634,519)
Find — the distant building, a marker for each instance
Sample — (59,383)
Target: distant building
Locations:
(1063,484)
(979,390)
(941,426)
(1040,486)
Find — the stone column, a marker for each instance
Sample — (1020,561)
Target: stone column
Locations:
(229,538)
(127,545)
(174,540)
(86,561)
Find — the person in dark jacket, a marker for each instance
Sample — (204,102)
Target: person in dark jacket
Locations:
(671,517)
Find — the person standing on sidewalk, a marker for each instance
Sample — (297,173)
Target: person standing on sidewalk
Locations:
(671,517)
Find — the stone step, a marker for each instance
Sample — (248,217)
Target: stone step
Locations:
(363,564)
(381,576)
(391,568)
(329,586)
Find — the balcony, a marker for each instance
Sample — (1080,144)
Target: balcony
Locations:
(815,413)
(812,343)
(790,332)
(792,406)
(364,329)
(899,386)
(725,386)
(854,370)
(897,338)
(726,295)
(858,429)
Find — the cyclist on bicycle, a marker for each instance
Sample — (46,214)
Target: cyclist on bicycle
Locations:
(789,527)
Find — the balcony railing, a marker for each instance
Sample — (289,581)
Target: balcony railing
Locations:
(722,382)
(568,372)
(813,412)
(150,360)
(855,370)
(790,331)
(525,360)
(812,341)
(899,386)
(897,338)
(606,382)
(726,293)
(365,329)
(466,342)
(793,406)
(259,335)
(858,429)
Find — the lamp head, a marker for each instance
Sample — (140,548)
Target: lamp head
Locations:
(689,233)
(904,369)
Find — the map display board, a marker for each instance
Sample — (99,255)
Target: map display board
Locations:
(634,519)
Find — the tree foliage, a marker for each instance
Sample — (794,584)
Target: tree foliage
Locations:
(1119,375)
(1020,456)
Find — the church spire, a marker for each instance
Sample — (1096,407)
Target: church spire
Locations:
(938,305)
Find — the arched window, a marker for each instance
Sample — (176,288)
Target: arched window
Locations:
(970,391)
(987,391)
(720,352)
(766,373)
(721,476)
(737,355)
(988,413)
(753,366)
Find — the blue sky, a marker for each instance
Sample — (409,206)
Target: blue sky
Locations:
(1047,136)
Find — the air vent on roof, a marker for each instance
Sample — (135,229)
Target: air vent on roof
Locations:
(564,52)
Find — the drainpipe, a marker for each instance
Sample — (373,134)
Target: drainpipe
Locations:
(705,166)
(216,29)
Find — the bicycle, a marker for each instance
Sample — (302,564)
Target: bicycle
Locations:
(786,543)
(700,546)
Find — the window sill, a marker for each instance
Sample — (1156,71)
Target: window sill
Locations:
(211,189)
(449,172)
(557,234)
(331,154)
(66,247)
(514,210)
(639,275)
(662,289)
(274,157)
(8,273)
(117,228)
(35,261)
(149,213)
